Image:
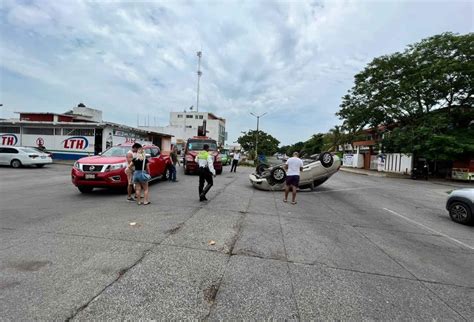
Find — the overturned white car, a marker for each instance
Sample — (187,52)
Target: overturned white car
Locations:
(315,172)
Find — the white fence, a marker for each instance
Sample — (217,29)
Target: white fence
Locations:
(353,160)
(391,162)
(398,163)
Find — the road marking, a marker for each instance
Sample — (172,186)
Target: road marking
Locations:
(430,229)
(345,189)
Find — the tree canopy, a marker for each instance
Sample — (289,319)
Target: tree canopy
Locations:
(425,92)
(267,144)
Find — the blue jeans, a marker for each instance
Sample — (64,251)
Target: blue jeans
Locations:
(172,173)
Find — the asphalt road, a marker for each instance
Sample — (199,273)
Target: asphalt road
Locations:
(358,247)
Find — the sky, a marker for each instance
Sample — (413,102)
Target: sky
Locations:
(293,60)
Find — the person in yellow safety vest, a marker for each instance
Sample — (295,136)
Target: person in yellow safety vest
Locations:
(206,171)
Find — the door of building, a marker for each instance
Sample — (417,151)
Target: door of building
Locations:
(98,141)
(367,161)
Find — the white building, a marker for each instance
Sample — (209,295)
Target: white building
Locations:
(72,135)
(184,125)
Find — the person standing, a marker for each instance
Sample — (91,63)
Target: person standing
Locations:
(174,162)
(293,167)
(235,161)
(141,176)
(206,171)
(131,154)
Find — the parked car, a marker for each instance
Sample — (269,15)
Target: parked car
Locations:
(460,205)
(193,147)
(107,170)
(315,172)
(225,159)
(50,154)
(17,157)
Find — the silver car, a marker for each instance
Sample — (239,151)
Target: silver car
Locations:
(22,156)
(315,172)
(460,205)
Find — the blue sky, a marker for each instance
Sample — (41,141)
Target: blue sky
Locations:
(294,60)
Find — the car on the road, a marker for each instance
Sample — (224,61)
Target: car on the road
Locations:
(460,205)
(17,157)
(315,172)
(193,147)
(107,170)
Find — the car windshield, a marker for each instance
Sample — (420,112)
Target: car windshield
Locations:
(198,145)
(116,151)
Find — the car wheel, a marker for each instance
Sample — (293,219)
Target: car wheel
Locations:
(15,163)
(326,159)
(261,168)
(85,189)
(40,165)
(166,175)
(278,175)
(460,213)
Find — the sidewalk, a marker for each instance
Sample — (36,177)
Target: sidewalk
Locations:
(446,182)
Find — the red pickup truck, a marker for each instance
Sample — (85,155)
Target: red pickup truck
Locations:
(193,147)
(108,169)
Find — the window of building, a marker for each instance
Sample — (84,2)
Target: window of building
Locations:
(38,130)
(9,129)
(189,116)
(201,117)
(57,131)
(196,117)
(189,127)
(78,132)
(180,116)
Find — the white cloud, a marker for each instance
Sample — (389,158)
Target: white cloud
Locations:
(293,59)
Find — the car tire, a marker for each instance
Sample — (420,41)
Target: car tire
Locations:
(326,159)
(166,175)
(85,189)
(277,175)
(461,213)
(15,163)
(261,168)
(40,165)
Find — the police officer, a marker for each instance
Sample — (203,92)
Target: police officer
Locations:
(206,171)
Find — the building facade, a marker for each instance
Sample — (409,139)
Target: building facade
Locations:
(189,122)
(74,134)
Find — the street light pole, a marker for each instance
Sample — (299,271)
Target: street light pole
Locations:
(256,135)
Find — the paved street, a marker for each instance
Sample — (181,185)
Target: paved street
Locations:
(358,247)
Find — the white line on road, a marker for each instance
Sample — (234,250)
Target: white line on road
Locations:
(430,229)
(344,189)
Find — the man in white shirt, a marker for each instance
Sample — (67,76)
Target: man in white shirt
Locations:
(293,167)
(235,161)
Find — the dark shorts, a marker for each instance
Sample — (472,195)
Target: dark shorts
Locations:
(293,181)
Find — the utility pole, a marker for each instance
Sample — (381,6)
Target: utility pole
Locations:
(199,73)
(256,135)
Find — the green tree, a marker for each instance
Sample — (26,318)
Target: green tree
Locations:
(267,144)
(426,91)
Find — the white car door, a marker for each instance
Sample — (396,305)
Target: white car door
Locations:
(3,156)
(8,154)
